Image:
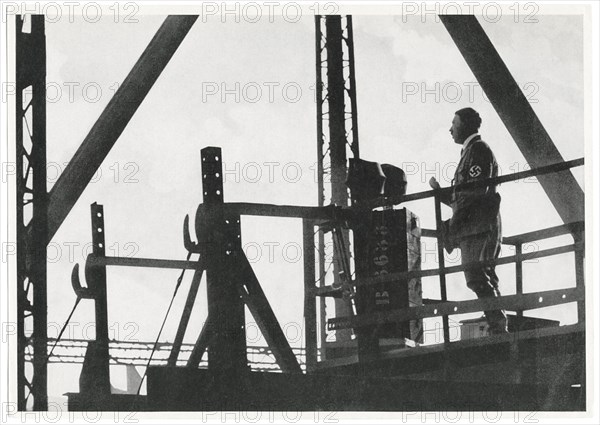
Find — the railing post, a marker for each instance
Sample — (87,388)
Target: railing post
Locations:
(580,275)
(322,303)
(518,372)
(519,272)
(580,284)
(94,380)
(222,250)
(440,249)
(310,303)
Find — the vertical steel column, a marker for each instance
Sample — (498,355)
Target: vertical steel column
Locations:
(368,344)
(32,200)
(337,118)
(310,303)
(320,178)
(227,348)
(337,143)
(352,89)
(94,381)
(580,282)
(580,275)
(332,46)
(367,341)
(97,275)
(519,273)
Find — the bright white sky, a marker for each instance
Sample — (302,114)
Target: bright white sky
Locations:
(160,148)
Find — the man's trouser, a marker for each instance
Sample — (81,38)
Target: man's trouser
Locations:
(483,279)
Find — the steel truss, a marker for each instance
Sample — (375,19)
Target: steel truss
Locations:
(30,113)
(337,136)
(334,64)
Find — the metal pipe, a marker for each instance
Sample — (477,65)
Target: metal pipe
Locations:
(93,260)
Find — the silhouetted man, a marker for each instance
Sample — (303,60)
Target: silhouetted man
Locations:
(475,226)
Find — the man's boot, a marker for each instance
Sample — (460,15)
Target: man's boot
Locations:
(496,319)
(497,322)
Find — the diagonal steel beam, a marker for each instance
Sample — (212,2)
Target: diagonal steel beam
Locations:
(516,113)
(202,343)
(115,117)
(267,322)
(185,317)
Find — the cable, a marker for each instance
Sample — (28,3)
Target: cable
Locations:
(179,279)
(64,326)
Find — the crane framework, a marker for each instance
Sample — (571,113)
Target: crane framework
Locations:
(380,384)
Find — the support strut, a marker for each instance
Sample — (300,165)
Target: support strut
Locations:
(516,113)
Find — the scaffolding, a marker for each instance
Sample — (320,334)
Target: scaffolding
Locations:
(231,282)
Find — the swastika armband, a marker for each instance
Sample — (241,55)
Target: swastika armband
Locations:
(475,171)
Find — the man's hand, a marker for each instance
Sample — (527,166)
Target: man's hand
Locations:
(445,196)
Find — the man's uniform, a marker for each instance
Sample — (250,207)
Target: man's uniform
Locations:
(476,226)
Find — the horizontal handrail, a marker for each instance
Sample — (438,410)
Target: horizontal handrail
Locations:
(492,181)
(392,277)
(536,235)
(551,232)
(329,212)
(97,260)
(528,301)
(332,212)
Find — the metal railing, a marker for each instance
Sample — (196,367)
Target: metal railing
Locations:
(519,302)
(317,216)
